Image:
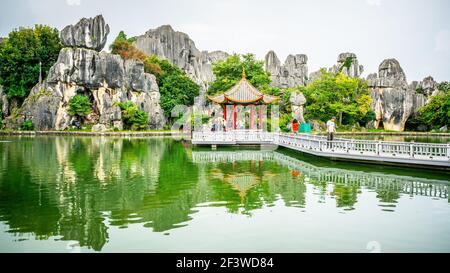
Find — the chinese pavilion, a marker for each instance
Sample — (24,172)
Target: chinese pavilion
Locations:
(244,94)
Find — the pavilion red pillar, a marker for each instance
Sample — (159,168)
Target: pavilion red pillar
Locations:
(225,117)
(234,117)
(260,117)
(252,117)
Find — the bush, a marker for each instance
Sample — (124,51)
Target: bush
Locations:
(436,113)
(27,125)
(132,117)
(80,105)
(285,120)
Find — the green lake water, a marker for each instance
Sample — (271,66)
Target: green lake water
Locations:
(69,194)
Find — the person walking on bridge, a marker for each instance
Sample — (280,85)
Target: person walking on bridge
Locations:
(331,129)
(295,126)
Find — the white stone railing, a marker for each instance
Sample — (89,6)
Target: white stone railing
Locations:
(366,147)
(396,152)
(232,137)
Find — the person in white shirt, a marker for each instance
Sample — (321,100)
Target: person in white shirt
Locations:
(331,128)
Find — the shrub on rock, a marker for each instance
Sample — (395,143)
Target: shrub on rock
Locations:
(27,125)
(80,106)
(132,117)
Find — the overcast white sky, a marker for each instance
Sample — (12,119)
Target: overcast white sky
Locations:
(417,33)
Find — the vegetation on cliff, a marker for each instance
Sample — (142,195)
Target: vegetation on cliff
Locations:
(133,118)
(436,113)
(175,87)
(79,105)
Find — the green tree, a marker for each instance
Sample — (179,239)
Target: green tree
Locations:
(337,95)
(175,87)
(80,105)
(228,72)
(20,55)
(436,113)
(444,87)
(132,117)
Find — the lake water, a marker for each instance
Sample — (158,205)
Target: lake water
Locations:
(69,194)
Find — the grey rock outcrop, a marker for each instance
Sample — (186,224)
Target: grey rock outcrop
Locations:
(180,50)
(297,101)
(293,73)
(89,33)
(315,75)
(394,101)
(99,128)
(428,86)
(354,69)
(4,103)
(105,78)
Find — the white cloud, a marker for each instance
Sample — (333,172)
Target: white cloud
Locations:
(373,2)
(73,2)
(442,41)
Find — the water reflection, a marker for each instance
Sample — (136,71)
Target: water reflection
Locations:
(77,188)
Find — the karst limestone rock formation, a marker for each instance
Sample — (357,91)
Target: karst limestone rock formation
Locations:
(293,73)
(105,78)
(90,33)
(394,101)
(297,101)
(180,50)
(348,64)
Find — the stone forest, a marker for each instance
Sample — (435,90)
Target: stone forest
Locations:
(132,73)
(146,143)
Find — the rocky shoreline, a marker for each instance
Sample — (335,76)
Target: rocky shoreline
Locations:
(82,133)
(175,133)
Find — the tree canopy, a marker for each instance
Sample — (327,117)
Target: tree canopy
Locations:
(20,55)
(229,71)
(436,113)
(338,95)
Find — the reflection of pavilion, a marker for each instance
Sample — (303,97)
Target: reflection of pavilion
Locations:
(241,182)
(243,94)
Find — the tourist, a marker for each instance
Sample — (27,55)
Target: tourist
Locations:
(331,129)
(295,126)
(75,123)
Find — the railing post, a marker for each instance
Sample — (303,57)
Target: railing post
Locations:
(411,149)
(448,150)
(378,147)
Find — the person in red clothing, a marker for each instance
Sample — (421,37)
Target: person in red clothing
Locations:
(295,126)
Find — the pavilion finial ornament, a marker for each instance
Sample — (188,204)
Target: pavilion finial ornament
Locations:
(243,73)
